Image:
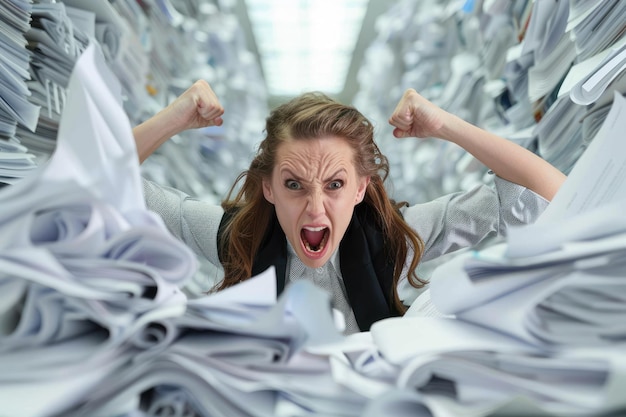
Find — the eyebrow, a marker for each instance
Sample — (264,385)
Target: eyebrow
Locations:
(290,174)
(298,178)
(335,175)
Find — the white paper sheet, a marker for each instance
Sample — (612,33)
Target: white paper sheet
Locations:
(599,175)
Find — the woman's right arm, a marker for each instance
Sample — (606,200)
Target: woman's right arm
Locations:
(193,221)
(197,107)
(417,117)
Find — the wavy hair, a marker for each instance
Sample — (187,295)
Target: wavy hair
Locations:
(310,116)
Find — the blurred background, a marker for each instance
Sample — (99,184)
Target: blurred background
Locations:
(542,74)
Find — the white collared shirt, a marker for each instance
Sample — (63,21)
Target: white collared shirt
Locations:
(327,277)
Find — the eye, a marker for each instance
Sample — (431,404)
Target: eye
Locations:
(293,185)
(335,185)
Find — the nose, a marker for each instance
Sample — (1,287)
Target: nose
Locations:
(315,204)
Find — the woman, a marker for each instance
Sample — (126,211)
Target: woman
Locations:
(313,202)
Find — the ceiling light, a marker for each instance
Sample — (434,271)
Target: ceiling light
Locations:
(306,45)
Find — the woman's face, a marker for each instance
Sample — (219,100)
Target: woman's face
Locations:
(314,188)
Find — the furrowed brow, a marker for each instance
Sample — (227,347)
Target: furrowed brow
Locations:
(335,175)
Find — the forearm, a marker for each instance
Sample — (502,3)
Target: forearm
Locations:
(196,107)
(505,158)
(151,134)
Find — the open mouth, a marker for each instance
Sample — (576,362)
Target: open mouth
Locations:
(314,238)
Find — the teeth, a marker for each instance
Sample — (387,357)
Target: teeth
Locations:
(310,248)
(314,229)
(318,249)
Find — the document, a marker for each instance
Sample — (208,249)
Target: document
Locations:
(402,339)
(79,257)
(545,75)
(449,367)
(575,236)
(452,367)
(123,50)
(13,100)
(475,278)
(487,379)
(591,87)
(560,134)
(557,287)
(547,24)
(423,307)
(598,28)
(599,176)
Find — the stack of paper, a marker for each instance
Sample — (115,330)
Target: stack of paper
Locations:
(596,179)
(15,108)
(442,367)
(123,51)
(14,105)
(459,95)
(92,314)
(574,248)
(609,71)
(515,74)
(553,50)
(499,35)
(236,355)
(54,43)
(568,297)
(451,367)
(597,27)
(83,262)
(546,27)
(559,134)
(545,75)
(16,161)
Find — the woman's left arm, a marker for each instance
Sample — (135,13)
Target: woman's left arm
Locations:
(415,116)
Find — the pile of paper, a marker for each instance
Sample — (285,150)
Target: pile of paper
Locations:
(15,108)
(580,235)
(596,25)
(600,75)
(16,161)
(539,317)
(559,134)
(156,52)
(79,248)
(54,44)
(451,367)
(122,48)
(553,50)
(93,321)
(517,108)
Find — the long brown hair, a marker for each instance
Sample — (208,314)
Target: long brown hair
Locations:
(313,115)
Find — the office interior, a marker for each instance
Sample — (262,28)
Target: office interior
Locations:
(79,339)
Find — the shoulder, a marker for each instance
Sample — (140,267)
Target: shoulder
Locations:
(455,220)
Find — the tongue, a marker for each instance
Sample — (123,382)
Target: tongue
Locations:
(314,238)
